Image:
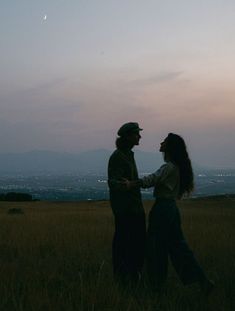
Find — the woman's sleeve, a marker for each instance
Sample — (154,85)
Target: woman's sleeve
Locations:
(152,179)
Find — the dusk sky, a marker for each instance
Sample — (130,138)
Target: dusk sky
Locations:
(72,71)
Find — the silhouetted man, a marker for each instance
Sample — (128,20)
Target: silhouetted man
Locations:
(130,229)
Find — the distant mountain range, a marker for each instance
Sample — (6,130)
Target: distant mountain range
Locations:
(95,161)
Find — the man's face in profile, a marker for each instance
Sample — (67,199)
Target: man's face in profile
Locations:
(134,138)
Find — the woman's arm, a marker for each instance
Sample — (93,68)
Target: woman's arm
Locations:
(147,181)
(152,179)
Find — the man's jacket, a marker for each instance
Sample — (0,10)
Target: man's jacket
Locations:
(122,165)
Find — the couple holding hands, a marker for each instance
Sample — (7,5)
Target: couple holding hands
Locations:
(164,237)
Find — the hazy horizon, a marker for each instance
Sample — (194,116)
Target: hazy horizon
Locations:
(146,160)
(73,71)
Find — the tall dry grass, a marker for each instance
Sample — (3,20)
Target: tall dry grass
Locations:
(57,256)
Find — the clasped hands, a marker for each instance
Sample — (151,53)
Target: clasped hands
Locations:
(129,184)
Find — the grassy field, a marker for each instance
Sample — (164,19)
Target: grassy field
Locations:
(57,256)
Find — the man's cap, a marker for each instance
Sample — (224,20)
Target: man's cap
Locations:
(128,128)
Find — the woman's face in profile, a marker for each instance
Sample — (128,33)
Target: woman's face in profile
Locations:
(163,145)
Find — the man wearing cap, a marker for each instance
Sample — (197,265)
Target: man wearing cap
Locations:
(130,229)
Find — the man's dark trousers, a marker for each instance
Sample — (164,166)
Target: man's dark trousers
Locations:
(128,247)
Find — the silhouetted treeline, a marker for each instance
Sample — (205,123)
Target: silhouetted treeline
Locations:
(15,197)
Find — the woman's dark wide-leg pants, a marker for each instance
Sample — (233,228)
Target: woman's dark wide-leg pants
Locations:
(128,247)
(165,238)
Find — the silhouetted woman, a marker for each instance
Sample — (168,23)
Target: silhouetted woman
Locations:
(165,238)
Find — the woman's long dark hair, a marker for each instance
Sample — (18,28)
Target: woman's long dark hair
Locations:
(176,152)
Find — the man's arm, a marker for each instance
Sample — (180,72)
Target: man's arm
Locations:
(116,173)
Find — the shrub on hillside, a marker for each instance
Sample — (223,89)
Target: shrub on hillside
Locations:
(16,197)
(15,211)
